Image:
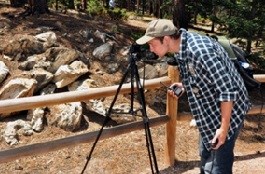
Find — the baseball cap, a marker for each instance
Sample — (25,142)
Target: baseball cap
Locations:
(157,28)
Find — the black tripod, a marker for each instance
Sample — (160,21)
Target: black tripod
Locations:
(132,67)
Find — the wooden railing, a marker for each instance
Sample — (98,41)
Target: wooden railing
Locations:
(170,119)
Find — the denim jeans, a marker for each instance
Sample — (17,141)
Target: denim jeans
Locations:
(219,161)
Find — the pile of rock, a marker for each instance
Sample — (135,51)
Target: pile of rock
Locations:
(47,66)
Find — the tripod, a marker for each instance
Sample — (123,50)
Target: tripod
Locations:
(133,68)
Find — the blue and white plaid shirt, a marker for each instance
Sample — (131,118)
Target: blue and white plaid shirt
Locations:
(209,77)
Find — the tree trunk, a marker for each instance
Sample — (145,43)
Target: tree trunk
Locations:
(214,18)
(37,7)
(17,3)
(138,6)
(180,18)
(107,3)
(161,13)
(156,8)
(248,48)
(71,4)
(128,5)
(157,11)
(56,5)
(143,6)
(151,7)
(195,13)
(212,27)
(84,4)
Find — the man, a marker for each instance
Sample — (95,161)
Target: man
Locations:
(216,93)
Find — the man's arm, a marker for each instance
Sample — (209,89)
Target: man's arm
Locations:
(221,133)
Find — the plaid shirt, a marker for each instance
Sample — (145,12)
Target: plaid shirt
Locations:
(210,78)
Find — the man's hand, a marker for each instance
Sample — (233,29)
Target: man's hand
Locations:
(219,138)
(173,87)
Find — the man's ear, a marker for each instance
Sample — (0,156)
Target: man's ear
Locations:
(166,39)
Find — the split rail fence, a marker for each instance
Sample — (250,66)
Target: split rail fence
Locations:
(170,118)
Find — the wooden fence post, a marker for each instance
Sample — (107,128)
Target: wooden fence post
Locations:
(171,111)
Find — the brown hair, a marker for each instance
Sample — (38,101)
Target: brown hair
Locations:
(175,36)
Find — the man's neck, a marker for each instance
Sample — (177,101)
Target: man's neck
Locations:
(174,45)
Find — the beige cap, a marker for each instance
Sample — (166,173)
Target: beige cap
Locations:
(157,28)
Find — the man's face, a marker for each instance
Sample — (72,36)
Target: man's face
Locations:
(158,47)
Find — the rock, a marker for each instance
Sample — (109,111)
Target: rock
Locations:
(60,56)
(48,37)
(42,77)
(96,106)
(37,118)
(67,74)
(11,134)
(103,51)
(17,88)
(35,61)
(23,46)
(3,71)
(49,89)
(82,85)
(150,72)
(67,116)
(100,35)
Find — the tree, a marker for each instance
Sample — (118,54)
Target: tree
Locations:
(71,4)
(84,4)
(39,6)
(17,3)
(106,3)
(247,21)
(157,8)
(180,18)
(34,6)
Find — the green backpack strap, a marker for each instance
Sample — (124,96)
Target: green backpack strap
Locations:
(226,45)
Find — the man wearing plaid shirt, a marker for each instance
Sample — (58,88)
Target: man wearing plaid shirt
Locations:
(216,93)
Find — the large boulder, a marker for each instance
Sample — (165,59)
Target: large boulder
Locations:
(17,88)
(23,46)
(67,74)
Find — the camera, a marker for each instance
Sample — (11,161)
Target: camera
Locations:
(142,52)
(177,90)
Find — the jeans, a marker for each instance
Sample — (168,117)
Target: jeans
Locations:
(219,161)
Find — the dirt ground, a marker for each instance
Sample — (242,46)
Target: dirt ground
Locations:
(125,153)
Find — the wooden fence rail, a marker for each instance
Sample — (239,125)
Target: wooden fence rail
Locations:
(19,104)
(40,148)
(12,105)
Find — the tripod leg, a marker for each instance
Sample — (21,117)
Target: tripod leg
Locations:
(132,90)
(149,142)
(149,145)
(107,118)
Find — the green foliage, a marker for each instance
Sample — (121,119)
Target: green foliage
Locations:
(137,35)
(95,7)
(118,13)
(239,27)
(60,2)
(166,7)
(257,59)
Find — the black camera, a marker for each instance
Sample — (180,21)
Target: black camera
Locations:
(176,89)
(142,52)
